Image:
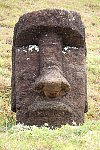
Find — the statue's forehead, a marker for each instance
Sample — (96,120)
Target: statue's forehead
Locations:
(66,23)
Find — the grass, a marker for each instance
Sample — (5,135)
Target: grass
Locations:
(67,137)
(84,137)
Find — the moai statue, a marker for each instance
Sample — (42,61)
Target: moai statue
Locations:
(49,83)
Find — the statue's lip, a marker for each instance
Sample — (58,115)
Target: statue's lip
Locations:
(49,105)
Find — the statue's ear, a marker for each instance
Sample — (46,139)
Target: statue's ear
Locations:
(13,107)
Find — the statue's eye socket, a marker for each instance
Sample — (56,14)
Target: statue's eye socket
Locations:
(68,49)
(29,48)
(33,48)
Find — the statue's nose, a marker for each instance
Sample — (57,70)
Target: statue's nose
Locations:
(52,84)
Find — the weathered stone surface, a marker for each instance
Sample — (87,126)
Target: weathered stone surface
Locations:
(66,23)
(49,85)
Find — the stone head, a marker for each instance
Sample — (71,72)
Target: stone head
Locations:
(48,68)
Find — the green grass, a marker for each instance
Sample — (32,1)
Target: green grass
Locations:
(67,138)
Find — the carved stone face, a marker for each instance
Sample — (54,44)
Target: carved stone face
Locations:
(49,85)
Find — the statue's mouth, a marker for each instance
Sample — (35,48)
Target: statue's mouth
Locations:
(49,105)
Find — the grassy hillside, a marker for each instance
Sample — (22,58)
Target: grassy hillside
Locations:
(10,11)
(21,137)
